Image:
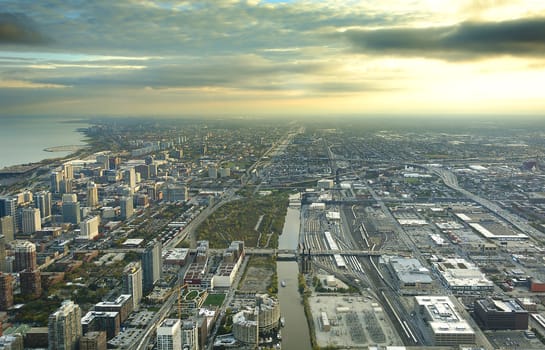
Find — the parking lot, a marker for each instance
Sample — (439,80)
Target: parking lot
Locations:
(355,321)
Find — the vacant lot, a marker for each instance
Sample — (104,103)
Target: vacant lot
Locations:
(260,276)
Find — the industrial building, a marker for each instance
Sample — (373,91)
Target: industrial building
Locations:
(447,327)
(411,278)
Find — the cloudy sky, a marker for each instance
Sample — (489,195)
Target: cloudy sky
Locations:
(270,57)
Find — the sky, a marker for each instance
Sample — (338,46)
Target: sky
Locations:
(271,57)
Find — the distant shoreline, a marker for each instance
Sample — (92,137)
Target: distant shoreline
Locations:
(66,148)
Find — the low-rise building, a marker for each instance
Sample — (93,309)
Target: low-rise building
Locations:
(95,321)
(462,277)
(537,322)
(93,341)
(175,256)
(500,314)
(411,278)
(448,328)
(122,304)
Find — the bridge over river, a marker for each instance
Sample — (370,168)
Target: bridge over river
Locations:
(293,254)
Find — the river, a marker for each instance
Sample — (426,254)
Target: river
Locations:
(295,334)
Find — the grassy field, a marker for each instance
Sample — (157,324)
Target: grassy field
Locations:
(214,299)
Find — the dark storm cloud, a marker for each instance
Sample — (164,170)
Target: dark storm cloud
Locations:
(468,40)
(17,28)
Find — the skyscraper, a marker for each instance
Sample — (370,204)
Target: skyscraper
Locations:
(71,212)
(42,201)
(92,195)
(130,177)
(69,198)
(31,283)
(8,207)
(6,291)
(103,161)
(25,256)
(169,335)
(64,327)
(127,208)
(56,178)
(31,220)
(67,185)
(89,228)
(114,162)
(132,282)
(6,228)
(143,169)
(68,171)
(2,253)
(152,264)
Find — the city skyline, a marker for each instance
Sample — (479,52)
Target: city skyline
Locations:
(267,58)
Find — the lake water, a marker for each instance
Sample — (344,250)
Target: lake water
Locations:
(295,334)
(23,140)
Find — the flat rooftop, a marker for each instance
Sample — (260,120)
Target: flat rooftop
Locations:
(442,316)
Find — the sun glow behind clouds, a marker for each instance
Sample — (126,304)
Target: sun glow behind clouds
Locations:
(276,56)
(19,84)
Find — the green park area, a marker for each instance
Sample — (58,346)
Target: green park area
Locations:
(214,299)
(255,219)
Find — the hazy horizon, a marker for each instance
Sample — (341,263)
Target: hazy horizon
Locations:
(231,59)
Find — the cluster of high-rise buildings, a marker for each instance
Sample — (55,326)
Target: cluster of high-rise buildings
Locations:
(23,265)
(78,206)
